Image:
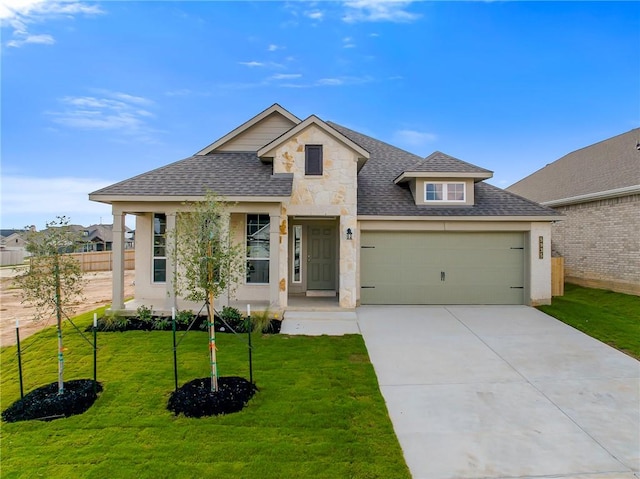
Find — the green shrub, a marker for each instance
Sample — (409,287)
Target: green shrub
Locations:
(231,317)
(113,322)
(260,322)
(184,317)
(144,314)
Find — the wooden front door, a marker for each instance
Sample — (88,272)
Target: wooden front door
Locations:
(321,258)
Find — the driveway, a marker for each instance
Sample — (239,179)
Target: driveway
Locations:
(503,392)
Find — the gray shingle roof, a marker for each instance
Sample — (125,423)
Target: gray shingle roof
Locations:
(604,166)
(236,174)
(225,174)
(438,162)
(379,196)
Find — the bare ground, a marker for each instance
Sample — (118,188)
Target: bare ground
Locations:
(97,293)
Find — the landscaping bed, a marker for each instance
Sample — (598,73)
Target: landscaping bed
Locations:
(45,404)
(229,320)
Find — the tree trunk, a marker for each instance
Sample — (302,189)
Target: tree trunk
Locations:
(212,344)
(56,274)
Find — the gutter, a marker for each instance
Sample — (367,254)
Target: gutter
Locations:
(601,195)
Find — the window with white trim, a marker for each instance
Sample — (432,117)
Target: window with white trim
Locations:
(444,192)
(258,249)
(296,266)
(159,248)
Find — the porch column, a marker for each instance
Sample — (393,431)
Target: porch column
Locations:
(347,262)
(117,301)
(277,255)
(171,267)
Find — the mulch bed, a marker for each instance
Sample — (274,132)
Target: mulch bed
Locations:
(164,324)
(45,404)
(195,399)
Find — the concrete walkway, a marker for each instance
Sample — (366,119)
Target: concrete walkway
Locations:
(503,392)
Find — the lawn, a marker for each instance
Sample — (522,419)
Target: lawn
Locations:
(613,318)
(318,412)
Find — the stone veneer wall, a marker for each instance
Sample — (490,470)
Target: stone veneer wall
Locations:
(600,241)
(334,193)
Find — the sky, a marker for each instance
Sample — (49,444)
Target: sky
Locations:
(93,93)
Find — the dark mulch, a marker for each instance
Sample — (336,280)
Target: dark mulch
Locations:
(45,404)
(164,324)
(195,399)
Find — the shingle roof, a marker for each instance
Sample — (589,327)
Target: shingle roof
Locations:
(234,174)
(225,173)
(604,166)
(379,196)
(438,162)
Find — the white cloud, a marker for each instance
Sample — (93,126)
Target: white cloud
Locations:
(378,11)
(347,42)
(21,15)
(285,76)
(330,81)
(114,111)
(413,138)
(252,64)
(273,47)
(34,200)
(314,14)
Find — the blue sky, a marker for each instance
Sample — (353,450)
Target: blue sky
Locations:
(96,92)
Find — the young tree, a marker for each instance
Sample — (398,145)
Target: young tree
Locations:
(206,262)
(53,282)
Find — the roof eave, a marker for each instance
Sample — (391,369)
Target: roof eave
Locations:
(601,195)
(111,199)
(477,176)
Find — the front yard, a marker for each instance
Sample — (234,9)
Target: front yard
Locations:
(613,318)
(318,412)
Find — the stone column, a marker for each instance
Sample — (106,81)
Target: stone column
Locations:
(117,301)
(347,265)
(277,284)
(171,267)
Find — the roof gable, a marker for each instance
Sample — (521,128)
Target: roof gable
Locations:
(269,149)
(441,165)
(257,131)
(608,166)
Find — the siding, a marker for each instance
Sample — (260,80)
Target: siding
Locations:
(600,241)
(259,134)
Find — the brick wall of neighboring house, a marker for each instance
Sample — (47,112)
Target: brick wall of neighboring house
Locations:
(600,241)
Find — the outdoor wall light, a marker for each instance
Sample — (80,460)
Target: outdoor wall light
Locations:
(349,234)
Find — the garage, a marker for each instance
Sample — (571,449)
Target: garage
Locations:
(417,267)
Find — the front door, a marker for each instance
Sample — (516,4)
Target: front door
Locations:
(321,258)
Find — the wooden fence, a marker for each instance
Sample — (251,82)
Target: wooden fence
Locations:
(557,276)
(103,260)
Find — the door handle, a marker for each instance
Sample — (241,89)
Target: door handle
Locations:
(442,275)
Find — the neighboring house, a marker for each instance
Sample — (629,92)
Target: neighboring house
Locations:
(326,211)
(12,247)
(597,189)
(98,238)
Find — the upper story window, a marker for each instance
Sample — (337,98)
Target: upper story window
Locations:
(444,192)
(313,160)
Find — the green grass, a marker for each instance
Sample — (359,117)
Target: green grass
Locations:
(319,412)
(613,318)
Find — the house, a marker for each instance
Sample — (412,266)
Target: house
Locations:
(329,212)
(13,246)
(98,238)
(597,189)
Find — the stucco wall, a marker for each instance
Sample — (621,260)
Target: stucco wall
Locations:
(600,243)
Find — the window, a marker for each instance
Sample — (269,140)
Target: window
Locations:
(297,254)
(444,192)
(313,160)
(159,248)
(258,249)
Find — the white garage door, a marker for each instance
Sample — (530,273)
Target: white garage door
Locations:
(403,267)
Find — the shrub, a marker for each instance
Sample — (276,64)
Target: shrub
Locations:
(145,315)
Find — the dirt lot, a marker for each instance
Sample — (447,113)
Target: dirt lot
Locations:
(97,292)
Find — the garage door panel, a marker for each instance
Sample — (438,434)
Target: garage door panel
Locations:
(442,268)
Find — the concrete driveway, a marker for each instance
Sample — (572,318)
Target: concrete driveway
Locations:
(503,392)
